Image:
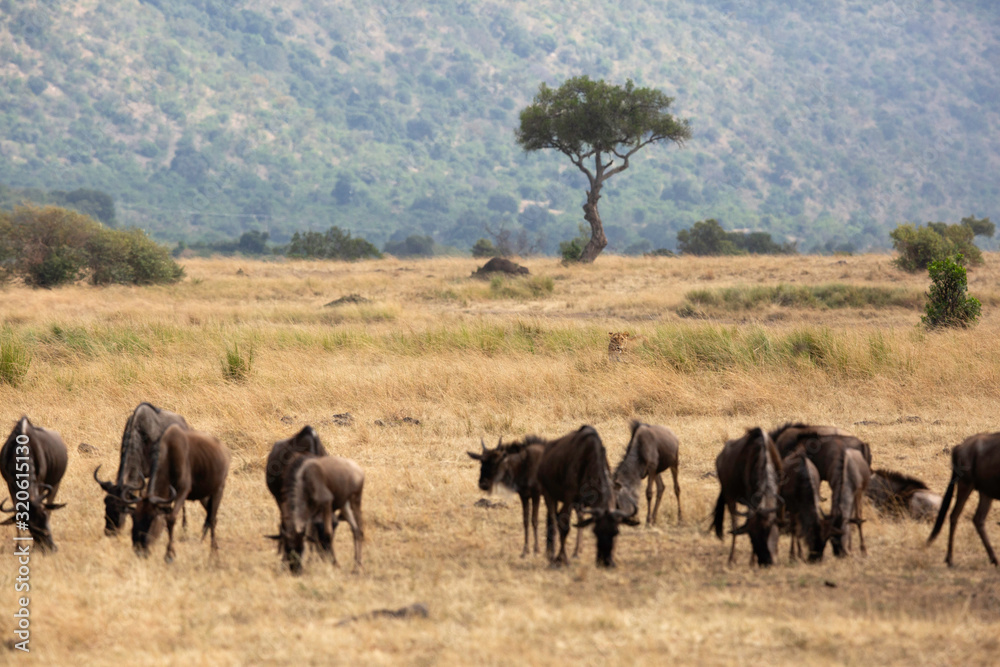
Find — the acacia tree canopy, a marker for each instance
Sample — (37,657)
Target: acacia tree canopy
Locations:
(598,126)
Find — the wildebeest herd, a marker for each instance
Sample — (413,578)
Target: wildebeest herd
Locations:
(774,476)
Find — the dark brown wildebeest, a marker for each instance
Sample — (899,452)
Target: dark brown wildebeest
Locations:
(897,494)
(325,490)
(825,447)
(32,462)
(651,450)
(282,464)
(749,469)
(848,495)
(975,465)
(515,466)
(190,466)
(802,513)
(143,430)
(574,472)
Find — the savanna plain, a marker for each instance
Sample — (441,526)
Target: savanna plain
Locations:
(719,344)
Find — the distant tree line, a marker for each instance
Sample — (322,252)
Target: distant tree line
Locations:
(707,237)
(95,203)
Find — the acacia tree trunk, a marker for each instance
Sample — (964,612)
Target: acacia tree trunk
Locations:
(598,241)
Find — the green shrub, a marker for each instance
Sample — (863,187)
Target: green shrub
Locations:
(918,247)
(334,244)
(572,250)
(237,364)
(947,303)
(52,246)
(14,359)
(484,248)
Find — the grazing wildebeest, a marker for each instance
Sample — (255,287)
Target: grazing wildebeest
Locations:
(32,462)
(651,450)
(975,465)
(825,446)
(515,466)
(143,430)
(749,469)
(325,490)
(848,496)
(574,471)
(803,516)
(190,466)
(282,464)
(897,494)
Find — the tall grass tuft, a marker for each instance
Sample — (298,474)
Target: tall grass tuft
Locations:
(15,359)
(831,295)
(532,287)
(237,364)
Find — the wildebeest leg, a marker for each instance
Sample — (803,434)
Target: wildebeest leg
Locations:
(859,520)
(184,520)
(211,506)
(562,519)
(524,510)
(732,519)
(348,514)
(534,519)
(677,492)
(980,519)
(960,497)
(579,532)
(550,529)
(171,520)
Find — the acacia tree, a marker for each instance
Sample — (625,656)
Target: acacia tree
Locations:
(594,123)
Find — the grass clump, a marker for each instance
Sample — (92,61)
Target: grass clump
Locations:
(832,295)
(15,359)
(237,364)
(532,287)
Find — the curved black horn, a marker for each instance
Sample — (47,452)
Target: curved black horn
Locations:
(47,491)
(107,486)
(164,501)
(499,442)
(4,509)
(482,444)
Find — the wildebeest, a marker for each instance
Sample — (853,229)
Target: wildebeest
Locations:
(848,496)
(326,489)
(190,466)
(823,444)
(651,450)
(897,494)
(515,466)
(32,462)
(574,472)
(143,430)
(749,469)
(282,464)
(975,465)
(803,516)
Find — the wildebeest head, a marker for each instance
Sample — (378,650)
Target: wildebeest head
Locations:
(148,519)
(115,507)
(605,524)
(761,526)
(39,510)
(489,468)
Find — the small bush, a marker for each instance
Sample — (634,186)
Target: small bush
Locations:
(334,244)
(14,360)
(947,303)
(572,250)
(237,364)
(707,237)
(484,248)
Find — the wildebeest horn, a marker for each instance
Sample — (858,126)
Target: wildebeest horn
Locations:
(46,491)
(272,537)
(107,486)
(741,530)
(499,442)
(627,519)
(54,506)
(164,501)
(4,509)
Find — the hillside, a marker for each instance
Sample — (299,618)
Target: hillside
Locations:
(206,118)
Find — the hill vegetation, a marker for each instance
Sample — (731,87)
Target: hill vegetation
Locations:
(207,119)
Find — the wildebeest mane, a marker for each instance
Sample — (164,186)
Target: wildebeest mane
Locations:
(900,483)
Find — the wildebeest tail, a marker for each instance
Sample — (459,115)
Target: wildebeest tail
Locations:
(720,513)
(945,502)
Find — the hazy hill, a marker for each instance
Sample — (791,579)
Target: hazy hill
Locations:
(205,118)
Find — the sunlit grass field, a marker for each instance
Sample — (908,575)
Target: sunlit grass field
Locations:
(719,344)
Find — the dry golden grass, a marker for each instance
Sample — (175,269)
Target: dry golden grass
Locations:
(473,359)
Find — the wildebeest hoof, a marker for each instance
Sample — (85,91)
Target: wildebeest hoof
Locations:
(169,558)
